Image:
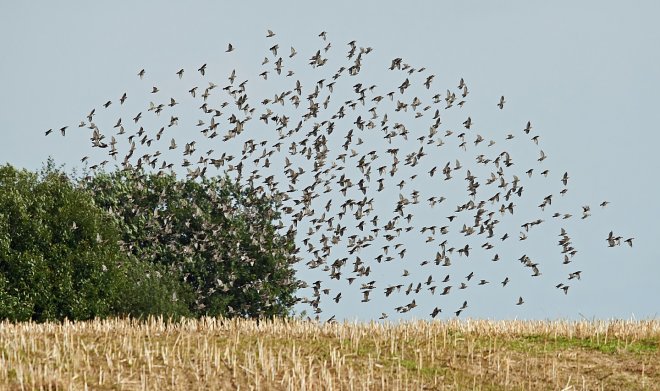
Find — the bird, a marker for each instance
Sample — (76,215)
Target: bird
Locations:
(355,172)
(613,240)
(520,301)
(542,156)
(501,102)
(365,295)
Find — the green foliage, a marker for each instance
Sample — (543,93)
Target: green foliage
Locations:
(128,243)
(147,289)
(214,236)
(57,249)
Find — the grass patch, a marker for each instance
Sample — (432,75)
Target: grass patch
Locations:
(611,346)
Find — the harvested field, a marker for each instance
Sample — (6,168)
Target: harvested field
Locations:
(223,354)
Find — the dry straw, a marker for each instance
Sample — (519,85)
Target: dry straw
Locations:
(222,354)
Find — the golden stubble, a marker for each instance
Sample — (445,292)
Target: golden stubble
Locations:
(224,354)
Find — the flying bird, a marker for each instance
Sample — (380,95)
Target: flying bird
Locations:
(354,165)
(501,103)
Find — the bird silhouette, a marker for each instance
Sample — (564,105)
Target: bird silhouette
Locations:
(501,103)
(359,171)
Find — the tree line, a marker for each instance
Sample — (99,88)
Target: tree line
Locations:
(132,243)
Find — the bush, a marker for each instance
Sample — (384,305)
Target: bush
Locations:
(148,289)
(129,243)
(214,236)
(57,249)
(60,256)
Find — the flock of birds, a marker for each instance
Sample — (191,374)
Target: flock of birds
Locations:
(369,178)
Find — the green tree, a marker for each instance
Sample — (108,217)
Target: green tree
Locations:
(217,237)
(56,252)
(60,255)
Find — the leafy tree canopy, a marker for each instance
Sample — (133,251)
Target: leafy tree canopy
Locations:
(58,250)
(133,243)
(221,238)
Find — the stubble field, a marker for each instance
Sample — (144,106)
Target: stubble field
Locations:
(221,354)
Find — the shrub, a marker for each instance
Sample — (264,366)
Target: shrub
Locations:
(219,239)
(58,250)
(130,243)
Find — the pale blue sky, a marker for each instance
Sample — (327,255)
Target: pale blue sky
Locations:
(585,73)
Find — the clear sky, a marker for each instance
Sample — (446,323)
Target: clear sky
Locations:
(584,73)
